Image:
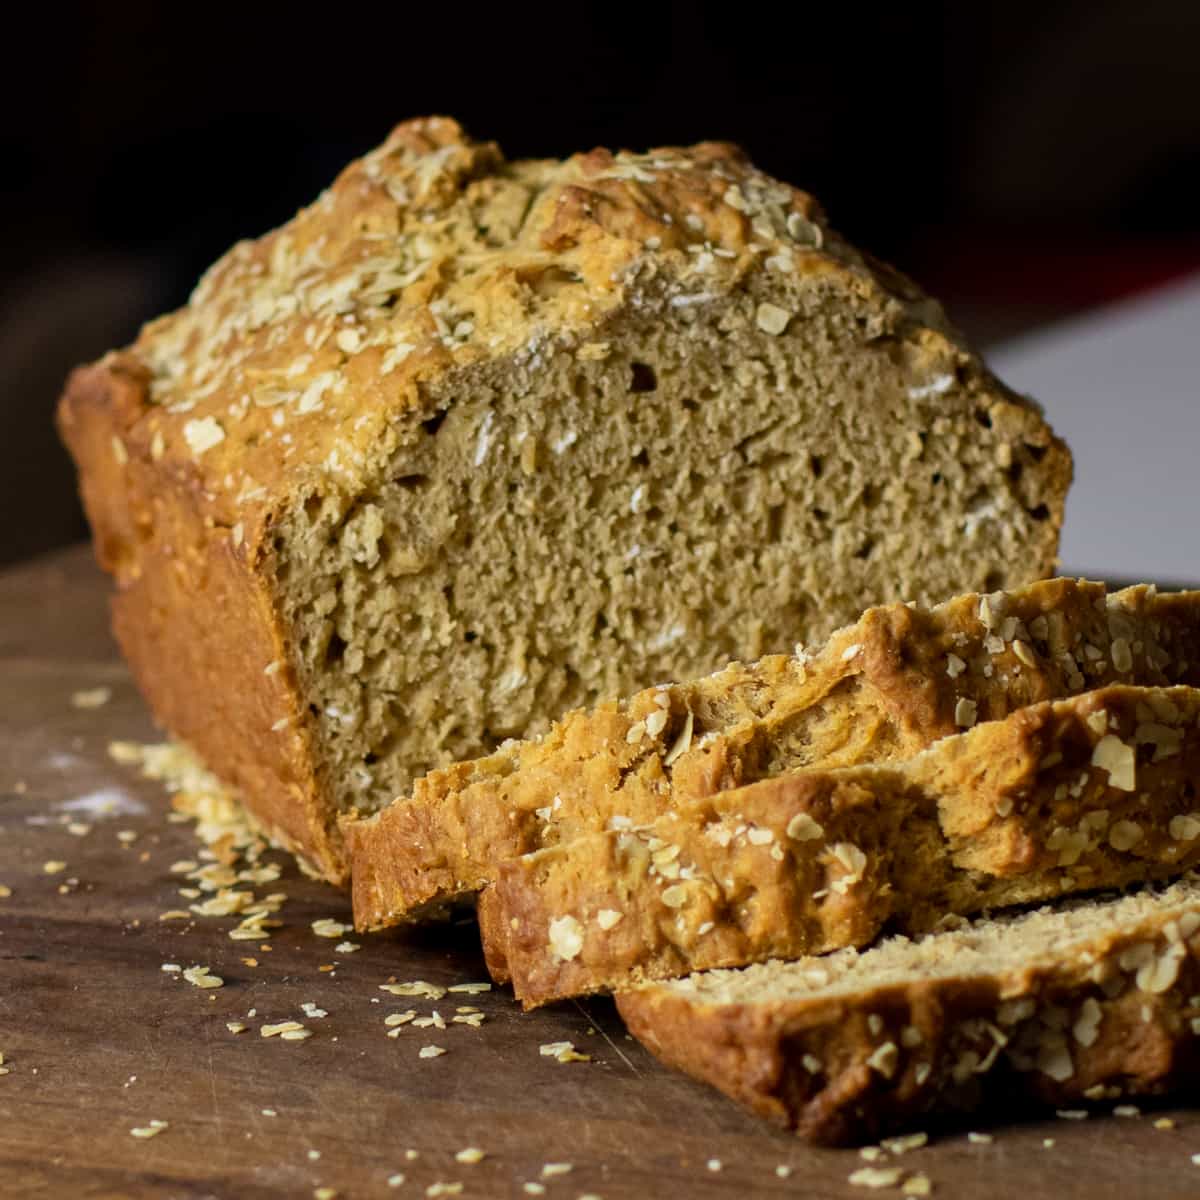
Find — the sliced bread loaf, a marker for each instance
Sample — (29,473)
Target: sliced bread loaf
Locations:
(1087,1000)
(1095,791)
(468,443)
(881,689)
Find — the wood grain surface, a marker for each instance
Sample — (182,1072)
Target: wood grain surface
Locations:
(98,1040)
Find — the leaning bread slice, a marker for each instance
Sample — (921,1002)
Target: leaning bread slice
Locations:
(1094,791)
(1089,999)
(881,689)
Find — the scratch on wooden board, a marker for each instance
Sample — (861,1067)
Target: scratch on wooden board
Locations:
(212,1079)
(604,1034)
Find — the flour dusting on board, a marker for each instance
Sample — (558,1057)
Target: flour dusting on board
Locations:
(104,802)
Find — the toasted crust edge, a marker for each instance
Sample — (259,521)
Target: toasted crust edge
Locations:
(761,1054)
(972,823)
(193,615)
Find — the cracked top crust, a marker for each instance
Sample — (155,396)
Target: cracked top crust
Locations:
(287,369)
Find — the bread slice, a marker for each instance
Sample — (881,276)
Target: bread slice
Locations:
(1095,791)
(468,443)
(1087,1000)
(881,689)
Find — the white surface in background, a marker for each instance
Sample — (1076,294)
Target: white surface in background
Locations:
(1122,386)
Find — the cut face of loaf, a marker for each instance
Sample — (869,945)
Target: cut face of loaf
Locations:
(469,443)
(880,690)
(1095,791)
(1092,999)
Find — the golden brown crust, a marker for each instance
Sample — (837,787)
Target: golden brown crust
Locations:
(880,690)
(1112,1013)
(1095,791)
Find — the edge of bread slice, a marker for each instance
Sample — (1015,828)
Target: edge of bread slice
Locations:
(882,689)
(1090,999)
(1060,797)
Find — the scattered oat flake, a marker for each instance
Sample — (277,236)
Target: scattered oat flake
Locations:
(417,987)
(200,977)
(324,1193)
(1164,1123)
(431,1051)
(875,1177)
(551,1169)
(714,1164)
(78,829)
(1127,1110)
(470,989)
(149,1130)
(565,1052)
(280,1028)
(444,1189)
(95,697)
(53,867)
(783,1171)
(980,1139)
(311,1010)
(235,1026)
(470,1154)
(917,1185)
(295,1035)
(346,947)
(171,968)
(396,1180)
(175,914)
(327,927)
(534,1189)
(1071,1114)
(901,1145)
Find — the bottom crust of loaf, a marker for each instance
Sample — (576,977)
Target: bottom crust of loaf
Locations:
(1084,1001)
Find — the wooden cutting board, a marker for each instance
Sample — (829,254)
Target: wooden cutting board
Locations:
(98,1040)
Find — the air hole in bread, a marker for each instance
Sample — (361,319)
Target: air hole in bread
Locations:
(432,424)
(642,377)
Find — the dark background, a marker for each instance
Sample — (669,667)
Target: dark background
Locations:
(1022,160)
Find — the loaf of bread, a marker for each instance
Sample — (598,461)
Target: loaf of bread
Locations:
(1062,797)
(469,443)
(1089,1000)
(879,690)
